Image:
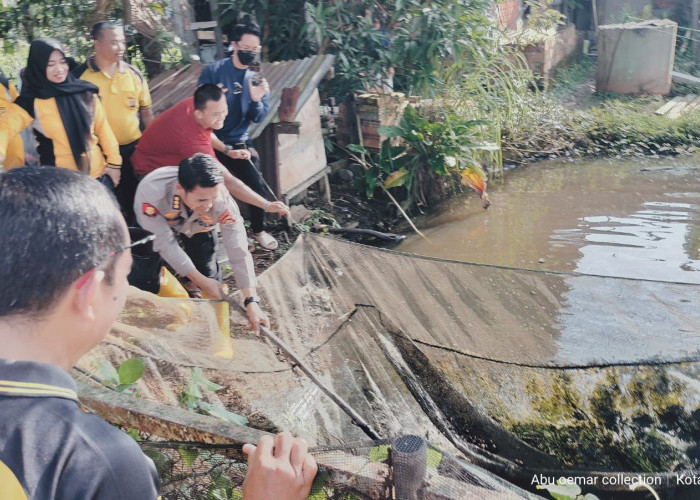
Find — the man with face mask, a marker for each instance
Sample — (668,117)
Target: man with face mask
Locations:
(248,100)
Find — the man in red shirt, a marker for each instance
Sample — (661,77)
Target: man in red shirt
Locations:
(186,129)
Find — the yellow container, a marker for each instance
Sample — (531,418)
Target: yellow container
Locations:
(170,286)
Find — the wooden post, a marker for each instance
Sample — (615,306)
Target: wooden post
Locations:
(217,30)
(288,104)
(695,25)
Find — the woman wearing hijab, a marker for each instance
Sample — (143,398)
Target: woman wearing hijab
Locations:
(69,121)
(14,156)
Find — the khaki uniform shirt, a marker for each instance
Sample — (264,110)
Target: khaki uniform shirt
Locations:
(161,211)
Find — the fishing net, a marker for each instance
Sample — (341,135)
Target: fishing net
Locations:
(530,375)
(409,467)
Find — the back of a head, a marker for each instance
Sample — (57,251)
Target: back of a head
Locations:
(246,28)
(205,93)
(56,225)
(199,170)
(99,28)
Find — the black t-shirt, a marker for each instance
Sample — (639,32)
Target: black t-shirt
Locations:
(55,448)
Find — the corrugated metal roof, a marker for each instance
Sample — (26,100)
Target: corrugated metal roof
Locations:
(172,86)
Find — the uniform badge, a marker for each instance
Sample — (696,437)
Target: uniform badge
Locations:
(172,214)
(176,202)
(149,210)
(132,103)
(206,219)
(226,217)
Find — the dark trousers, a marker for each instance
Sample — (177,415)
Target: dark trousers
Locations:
(145,270)
(251,177)
(201,248)
(127,184)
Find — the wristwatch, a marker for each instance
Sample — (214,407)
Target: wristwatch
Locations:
(227,148)
(251,299)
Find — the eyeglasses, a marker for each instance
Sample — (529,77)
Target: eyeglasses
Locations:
(111,254)
(136,243)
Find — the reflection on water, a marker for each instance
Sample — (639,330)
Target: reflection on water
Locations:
(613,219)
(605,218)
(649,244)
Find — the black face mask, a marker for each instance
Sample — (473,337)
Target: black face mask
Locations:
(247,57)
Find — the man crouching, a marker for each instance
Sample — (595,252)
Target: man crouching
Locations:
(182,206)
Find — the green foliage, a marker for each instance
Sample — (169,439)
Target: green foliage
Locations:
(192,398)
(621,125)
(318,217)
(31,19)
(124,377)
(285,30)
(565,491)
(417,38)
(423,147)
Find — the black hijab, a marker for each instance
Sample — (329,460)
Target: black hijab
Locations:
(4,81)
(72,97)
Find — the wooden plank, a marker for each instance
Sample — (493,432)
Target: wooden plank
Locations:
(164,421)
(684,78)
(203,25)
(692,105)
(678,109)
(667,107)
(175,424)
(206,35)
(288,104)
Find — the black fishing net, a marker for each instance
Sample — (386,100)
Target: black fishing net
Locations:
(408,468)
(530,375)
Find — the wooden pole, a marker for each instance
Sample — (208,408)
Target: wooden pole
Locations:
(695,24)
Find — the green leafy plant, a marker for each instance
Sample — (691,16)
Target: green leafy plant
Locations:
(192,398)
(424,147)
(564,490)
(124,377)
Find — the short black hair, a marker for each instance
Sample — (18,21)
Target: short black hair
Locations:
(98,28)
(205,93)
(57,224)
(248,28)
(199,170)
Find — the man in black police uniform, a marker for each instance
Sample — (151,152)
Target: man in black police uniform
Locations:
(63,274)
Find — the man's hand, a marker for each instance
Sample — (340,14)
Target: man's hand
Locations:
(257,92)
(277,207)
(239,154)
(278,469)
(211,288)
(115,174)
(256,317)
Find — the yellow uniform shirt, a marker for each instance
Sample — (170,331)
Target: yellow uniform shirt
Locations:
(47,121)
(123,96)
(14,156)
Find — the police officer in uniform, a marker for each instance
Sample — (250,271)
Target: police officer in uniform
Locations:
(182,206)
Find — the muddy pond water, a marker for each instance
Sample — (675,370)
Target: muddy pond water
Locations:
(636,218)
